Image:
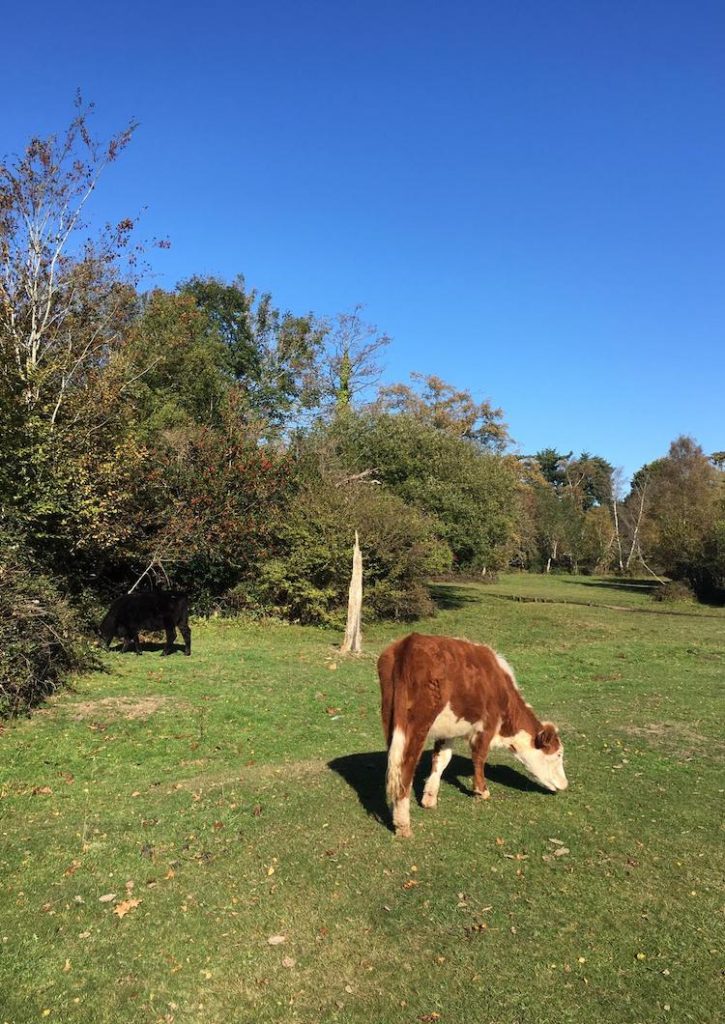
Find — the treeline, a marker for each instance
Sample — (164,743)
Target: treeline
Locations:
(206,439)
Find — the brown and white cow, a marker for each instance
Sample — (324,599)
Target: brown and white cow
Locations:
(439,688)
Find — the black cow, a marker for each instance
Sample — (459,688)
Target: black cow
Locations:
(153,610)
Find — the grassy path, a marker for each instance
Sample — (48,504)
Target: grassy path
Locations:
(162,822)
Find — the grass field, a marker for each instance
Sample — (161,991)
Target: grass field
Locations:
(166,819)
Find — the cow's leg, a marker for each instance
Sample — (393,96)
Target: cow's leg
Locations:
(479,752)
(403,758)
(186,633)
(442,752)
(170,630)
(136,644)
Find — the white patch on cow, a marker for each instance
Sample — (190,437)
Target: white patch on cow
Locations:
(506,666)
(395,762)
(503,664)
(548,769)
(440,763)
(448,726)
(498,741)
(401,816)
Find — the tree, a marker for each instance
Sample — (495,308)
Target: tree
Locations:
(350,362)
(440,406)
(66,301)
(686,507)
(274,356)
(60,299)
(552,464)
(470,493)
(306,573)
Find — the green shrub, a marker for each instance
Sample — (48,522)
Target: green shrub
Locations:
(40,638)
(307,577)
(674,590)
(469,493)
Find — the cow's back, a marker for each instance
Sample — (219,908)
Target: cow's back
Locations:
(422,675)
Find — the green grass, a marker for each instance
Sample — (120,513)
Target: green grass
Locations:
(203,787)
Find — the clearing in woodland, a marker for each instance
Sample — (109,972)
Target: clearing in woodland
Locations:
(205,839)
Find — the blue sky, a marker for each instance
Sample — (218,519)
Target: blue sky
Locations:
(529,197)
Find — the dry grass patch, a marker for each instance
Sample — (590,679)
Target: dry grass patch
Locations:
(130,708)
(676,738)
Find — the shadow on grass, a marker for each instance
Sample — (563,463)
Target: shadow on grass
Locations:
(365,773)
(448,597)
(631,586)
(147,647)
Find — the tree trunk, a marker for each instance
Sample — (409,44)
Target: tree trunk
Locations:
(635,537)
(617,534)
(352,644)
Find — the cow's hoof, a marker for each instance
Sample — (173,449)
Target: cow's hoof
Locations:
(403,832)
(187,653)
(486,795)
(429,800)
(165,654)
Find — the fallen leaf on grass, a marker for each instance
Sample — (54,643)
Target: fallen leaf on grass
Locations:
(557,842)
(410,883)
(276,940)
(72,868)
(561,851)
(41,791)
(289,961)
(332,711)
(429,1017)
(107,898)
(122,908)
(66,967)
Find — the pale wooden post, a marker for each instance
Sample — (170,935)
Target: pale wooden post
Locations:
(352,644)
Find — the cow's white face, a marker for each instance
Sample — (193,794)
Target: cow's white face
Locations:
(543,755)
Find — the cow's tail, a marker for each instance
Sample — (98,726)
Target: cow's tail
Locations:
(395,709)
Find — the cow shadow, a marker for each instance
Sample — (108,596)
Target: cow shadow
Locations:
(147,647)
(365,774)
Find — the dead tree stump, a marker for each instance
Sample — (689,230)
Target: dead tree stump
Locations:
(352,644)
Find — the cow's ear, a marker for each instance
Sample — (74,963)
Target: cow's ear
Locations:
(547,739)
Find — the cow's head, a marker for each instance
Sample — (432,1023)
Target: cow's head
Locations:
(543,755)
(106,630)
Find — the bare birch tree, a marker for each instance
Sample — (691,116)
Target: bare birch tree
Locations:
(59,297)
